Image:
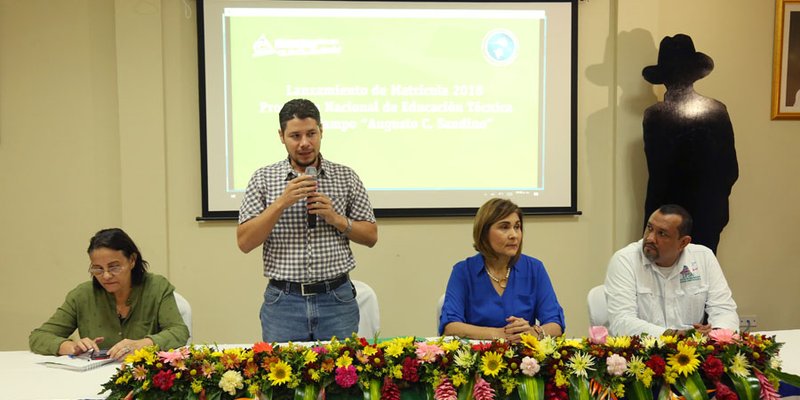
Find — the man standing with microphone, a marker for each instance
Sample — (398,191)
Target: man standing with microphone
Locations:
(304,211)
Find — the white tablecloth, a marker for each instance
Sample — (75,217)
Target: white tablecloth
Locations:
(790,352)
(21,378)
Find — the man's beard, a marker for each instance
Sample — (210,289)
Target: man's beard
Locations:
(303,165)
(652,255)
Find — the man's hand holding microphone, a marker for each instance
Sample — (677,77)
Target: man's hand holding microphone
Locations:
(317,204)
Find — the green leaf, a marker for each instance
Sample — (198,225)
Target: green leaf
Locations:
(579,388)
(637,391)
(266,393)
(747,387)
(791,379)
(416,392)
(664,392)
(306,392)
(530,388)
(465,391)
(374,390)
(692,387)
(213,395)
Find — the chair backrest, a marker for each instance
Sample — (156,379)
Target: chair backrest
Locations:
(439,312)
(598,311)
(368,309)
(186,312)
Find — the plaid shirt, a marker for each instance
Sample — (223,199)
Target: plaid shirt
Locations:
(293,252)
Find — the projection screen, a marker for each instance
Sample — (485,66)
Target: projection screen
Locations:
(436,106)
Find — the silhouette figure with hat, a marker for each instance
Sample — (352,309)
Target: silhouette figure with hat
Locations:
(688,142)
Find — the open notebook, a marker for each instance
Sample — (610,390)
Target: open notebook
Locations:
(76,363)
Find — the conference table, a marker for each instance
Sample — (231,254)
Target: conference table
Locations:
(23,378)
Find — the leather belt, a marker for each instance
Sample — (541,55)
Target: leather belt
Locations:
(310,288)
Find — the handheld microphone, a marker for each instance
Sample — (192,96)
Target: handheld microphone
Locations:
(312,218)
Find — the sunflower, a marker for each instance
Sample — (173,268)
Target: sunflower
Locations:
(280,373)
(529,341)
(685,361)
(492,363)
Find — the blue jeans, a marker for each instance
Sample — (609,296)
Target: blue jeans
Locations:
(292,317)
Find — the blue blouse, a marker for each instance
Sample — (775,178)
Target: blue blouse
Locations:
(471,298)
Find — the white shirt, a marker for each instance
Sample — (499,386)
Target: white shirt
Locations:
(642,300)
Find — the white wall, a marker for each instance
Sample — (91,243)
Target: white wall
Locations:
(99,128)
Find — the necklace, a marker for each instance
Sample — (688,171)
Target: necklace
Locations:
(122,311)
(500,281)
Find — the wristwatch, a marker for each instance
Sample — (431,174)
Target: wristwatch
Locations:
(349,227)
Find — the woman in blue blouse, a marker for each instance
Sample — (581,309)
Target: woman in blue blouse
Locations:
(500,293)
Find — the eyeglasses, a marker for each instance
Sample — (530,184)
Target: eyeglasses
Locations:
(98,272)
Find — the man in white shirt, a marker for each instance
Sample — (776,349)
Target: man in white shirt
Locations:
(663,284)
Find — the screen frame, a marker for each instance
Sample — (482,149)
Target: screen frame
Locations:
(571,209)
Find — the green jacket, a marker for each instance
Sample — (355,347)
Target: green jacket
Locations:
(92,311)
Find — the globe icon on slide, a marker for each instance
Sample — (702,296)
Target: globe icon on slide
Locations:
(500,47)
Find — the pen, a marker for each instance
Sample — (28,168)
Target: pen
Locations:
(87,355)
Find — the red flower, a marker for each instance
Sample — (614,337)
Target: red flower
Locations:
(376,360)
(262,347)
(482,346)
(713,368)
(768,391)
(410,367)
(551,391)
(445,390)
(724,392)
(389,390)
(346,376)
(163,380)
(482,390)
(657,364)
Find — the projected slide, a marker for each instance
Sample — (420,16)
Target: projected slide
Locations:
(432,107)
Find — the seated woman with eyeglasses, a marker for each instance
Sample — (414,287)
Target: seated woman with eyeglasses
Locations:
(500,293)
(122,309)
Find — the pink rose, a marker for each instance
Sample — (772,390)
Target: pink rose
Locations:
(598,334)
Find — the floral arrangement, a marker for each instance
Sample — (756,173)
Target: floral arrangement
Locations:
(693,366)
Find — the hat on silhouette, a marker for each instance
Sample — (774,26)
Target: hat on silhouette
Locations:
(678,61)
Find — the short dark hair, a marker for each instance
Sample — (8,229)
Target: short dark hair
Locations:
(685,227)
(300,109)
(490,212)
(117,239)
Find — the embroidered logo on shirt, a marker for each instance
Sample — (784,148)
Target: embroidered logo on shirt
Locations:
(688,276)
